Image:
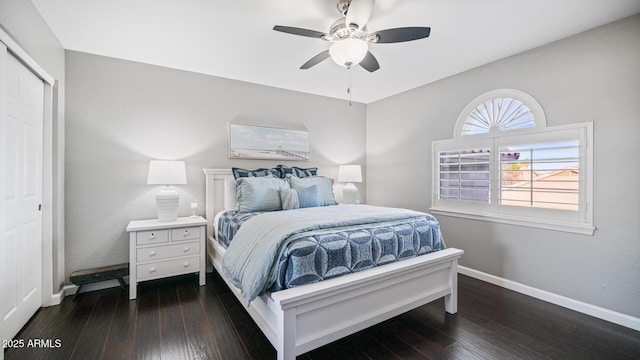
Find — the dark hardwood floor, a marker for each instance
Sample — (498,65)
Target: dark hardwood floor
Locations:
(177,319)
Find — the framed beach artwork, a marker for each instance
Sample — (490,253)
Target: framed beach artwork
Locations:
(267,143)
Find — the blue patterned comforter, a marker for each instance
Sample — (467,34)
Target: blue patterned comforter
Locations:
(229,223)
(284,249)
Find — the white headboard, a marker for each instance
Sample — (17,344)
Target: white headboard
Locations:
(214,194)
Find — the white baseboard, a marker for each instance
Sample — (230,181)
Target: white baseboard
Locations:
(69,290)
(54,299)
(579,306)
(57,298)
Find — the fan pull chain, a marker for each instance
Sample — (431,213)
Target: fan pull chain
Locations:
(349,84)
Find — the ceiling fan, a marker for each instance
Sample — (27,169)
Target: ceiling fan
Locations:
(350,38)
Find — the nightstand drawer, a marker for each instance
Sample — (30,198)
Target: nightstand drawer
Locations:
(152,237)
(170,267)
(187,233)
(163,252)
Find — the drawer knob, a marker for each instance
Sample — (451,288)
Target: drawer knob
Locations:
(186,233)
(152,270)
(153,253)
(153,236)
(186,248)
(186,264)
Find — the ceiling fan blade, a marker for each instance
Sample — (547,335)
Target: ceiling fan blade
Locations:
(315,60)
(402,34)
(359,13)
(370,63)
(299,31)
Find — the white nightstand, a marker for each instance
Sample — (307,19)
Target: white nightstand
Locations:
(161,249)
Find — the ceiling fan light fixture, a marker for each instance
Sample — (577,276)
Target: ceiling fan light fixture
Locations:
(348,52)
(350,38)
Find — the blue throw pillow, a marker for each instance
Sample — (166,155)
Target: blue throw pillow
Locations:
(259,193)
(242,173)
(301,198)
(308,197)
(296,171)
(324,184)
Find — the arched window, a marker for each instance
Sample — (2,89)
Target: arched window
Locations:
(505,164)
(500,110)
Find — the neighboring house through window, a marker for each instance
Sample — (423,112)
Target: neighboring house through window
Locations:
(504,164)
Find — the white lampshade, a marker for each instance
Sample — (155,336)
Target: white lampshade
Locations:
(348,52)
(349,173)
(163,172)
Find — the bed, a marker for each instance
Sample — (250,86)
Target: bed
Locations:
(299,319)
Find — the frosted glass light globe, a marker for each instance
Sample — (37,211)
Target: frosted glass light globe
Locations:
(348,52)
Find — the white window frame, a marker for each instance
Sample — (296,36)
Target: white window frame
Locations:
(580,221)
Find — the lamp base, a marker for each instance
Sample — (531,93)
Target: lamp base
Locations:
(350,194)
(167,201)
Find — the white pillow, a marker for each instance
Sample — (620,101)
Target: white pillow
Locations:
(230,193)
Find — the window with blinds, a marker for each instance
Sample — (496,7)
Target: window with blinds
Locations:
(505,165)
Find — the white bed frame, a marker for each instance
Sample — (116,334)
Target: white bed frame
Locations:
(301,319)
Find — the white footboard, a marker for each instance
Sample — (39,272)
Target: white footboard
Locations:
(301,319)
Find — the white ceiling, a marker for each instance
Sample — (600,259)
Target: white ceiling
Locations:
(234,39)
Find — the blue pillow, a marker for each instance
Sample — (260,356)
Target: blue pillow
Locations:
(259,193)
(308,197)
(242,173)
(297,199)
(324,184)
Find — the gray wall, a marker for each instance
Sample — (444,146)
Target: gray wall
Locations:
(591,77)
(121,114)
(23,22)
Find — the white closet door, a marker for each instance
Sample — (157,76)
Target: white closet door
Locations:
(21,194)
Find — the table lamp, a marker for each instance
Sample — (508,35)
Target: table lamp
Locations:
(349,174)
(167,173)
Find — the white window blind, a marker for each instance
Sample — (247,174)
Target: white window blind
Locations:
(465,175)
